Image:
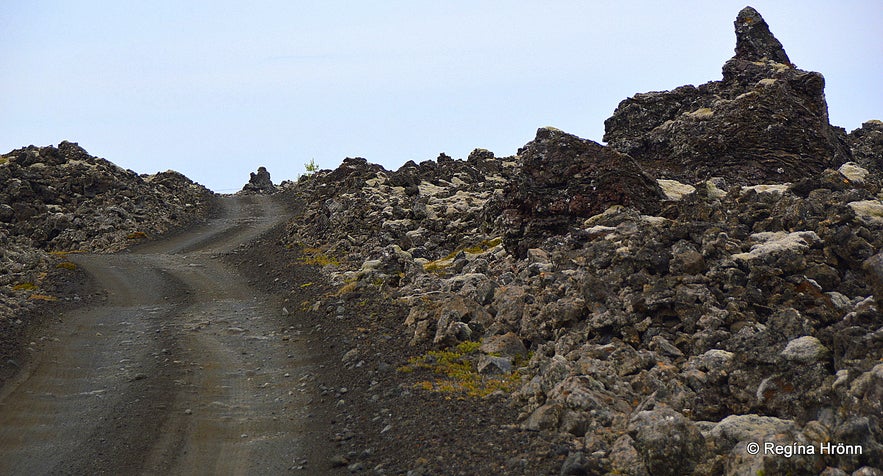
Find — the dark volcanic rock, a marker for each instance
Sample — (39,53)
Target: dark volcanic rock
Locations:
(259,182)
(754,41)
(867,145)
(662,336)
(766,121)
(63,199)
(563,179)
(873,266)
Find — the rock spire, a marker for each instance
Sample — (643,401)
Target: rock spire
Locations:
(754,41)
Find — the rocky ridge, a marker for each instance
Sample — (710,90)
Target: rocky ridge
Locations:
(765,121)
(57,200)
(724,290)
(710,279)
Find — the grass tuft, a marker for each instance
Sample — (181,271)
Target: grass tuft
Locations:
(43,297)
(439,266)
(316,257)
(455,372)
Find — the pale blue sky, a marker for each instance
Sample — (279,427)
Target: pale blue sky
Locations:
(214,89)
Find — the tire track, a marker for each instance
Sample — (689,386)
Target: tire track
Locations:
(185,370)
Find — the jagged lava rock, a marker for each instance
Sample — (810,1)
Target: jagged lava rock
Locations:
(867,145)
(745,311)
(766,121)
(563,178)
(754,41)
(259,182)
(62,198)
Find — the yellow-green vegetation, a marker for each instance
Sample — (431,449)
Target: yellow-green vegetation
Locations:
(483,246)
(438,266)
(66,265)
(24,287)
(317,257)
(3,160)
(43,297)
(701,113)
(456,373)
(347,288)
(137,235)
(441,265)
(63,254)
(311,166)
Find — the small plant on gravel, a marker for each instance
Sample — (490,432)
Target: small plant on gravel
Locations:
(137,235)
(315,256)
(66,265)
(456,372)
(311,166)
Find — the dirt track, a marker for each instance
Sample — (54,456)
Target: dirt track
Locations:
(185,369)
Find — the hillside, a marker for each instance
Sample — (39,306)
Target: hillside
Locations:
(710,278)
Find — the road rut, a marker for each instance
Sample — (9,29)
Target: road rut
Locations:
(185,369)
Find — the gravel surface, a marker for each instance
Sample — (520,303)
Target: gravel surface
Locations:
(376,419)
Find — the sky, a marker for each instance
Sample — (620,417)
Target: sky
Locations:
(214,89)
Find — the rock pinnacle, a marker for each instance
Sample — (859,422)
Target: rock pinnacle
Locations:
(754,41)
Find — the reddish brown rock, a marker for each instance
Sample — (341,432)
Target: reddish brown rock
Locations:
(563,179)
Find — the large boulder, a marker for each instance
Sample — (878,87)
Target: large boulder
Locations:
(766,121)
(562,180)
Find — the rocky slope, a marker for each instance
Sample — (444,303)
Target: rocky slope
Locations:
(711,278)
(56,200)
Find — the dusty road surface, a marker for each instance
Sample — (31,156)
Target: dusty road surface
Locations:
(185,369)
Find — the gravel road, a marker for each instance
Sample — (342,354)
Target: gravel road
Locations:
(183,369)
